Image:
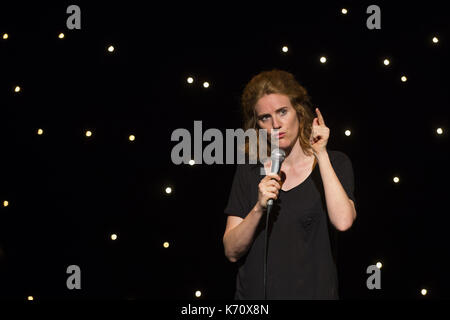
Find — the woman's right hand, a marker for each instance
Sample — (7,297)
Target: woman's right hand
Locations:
(268,188)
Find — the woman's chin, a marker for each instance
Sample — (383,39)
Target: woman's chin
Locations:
(283,144)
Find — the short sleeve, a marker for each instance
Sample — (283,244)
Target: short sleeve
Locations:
(238,200)
(344,171)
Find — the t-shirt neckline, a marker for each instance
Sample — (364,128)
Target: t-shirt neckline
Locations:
(305,180)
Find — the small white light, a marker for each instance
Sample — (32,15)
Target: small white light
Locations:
(198,293)
(168,190)
(5,36)
(111,48)
(17,89)
(323,59)
(435,40)
(131,137)
(386,62)
(5,203)
(396,179)
(206,84)
(439,131)
(379,265)
(88,133)
(424,292)
(114,236)
(191,162)
(403,78)
(61,35)
(40,131)
(190,80)
(344,11)
(348,133)
(30,298)
(285,49)
(166,244)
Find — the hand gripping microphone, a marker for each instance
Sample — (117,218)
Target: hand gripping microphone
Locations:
(277,157)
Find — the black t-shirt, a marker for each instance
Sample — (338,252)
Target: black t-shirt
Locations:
(301,260)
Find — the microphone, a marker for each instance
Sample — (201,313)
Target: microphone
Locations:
(277,157)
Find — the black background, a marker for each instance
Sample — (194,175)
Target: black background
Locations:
(68,193)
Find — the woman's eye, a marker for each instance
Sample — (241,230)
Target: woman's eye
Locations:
(284,111)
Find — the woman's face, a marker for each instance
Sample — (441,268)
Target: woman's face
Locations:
(274,111)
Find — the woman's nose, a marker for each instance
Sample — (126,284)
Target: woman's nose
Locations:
(276,124)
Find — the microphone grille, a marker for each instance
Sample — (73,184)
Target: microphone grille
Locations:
(278,154)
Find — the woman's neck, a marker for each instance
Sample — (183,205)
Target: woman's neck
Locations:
(295,155)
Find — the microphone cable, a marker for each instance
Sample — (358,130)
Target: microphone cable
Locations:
(269,209)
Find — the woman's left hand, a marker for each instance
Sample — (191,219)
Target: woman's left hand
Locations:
(319,134)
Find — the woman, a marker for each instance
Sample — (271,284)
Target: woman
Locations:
(313,194)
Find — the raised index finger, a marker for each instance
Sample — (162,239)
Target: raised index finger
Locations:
(320,117)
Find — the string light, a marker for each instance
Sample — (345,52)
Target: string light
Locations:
(61,35)
(40,131)
(435,40)
(5,203)
(30,298)
(168,190)
(166,244)
(424,292)
(198,293)
(190,80)
(404,79)
(114,236)
(439,131)
(111,48)
(5,36)
(17,89)
(191,162)
(285,49)
(88,133)
(386,62)
(131,137)
(348,133)
(206,84)
(379,265)
(396,179)
(323,59)
(344,11)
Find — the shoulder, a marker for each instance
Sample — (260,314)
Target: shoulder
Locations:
(336,154)
(249,167)
(338,157)
(248,170)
